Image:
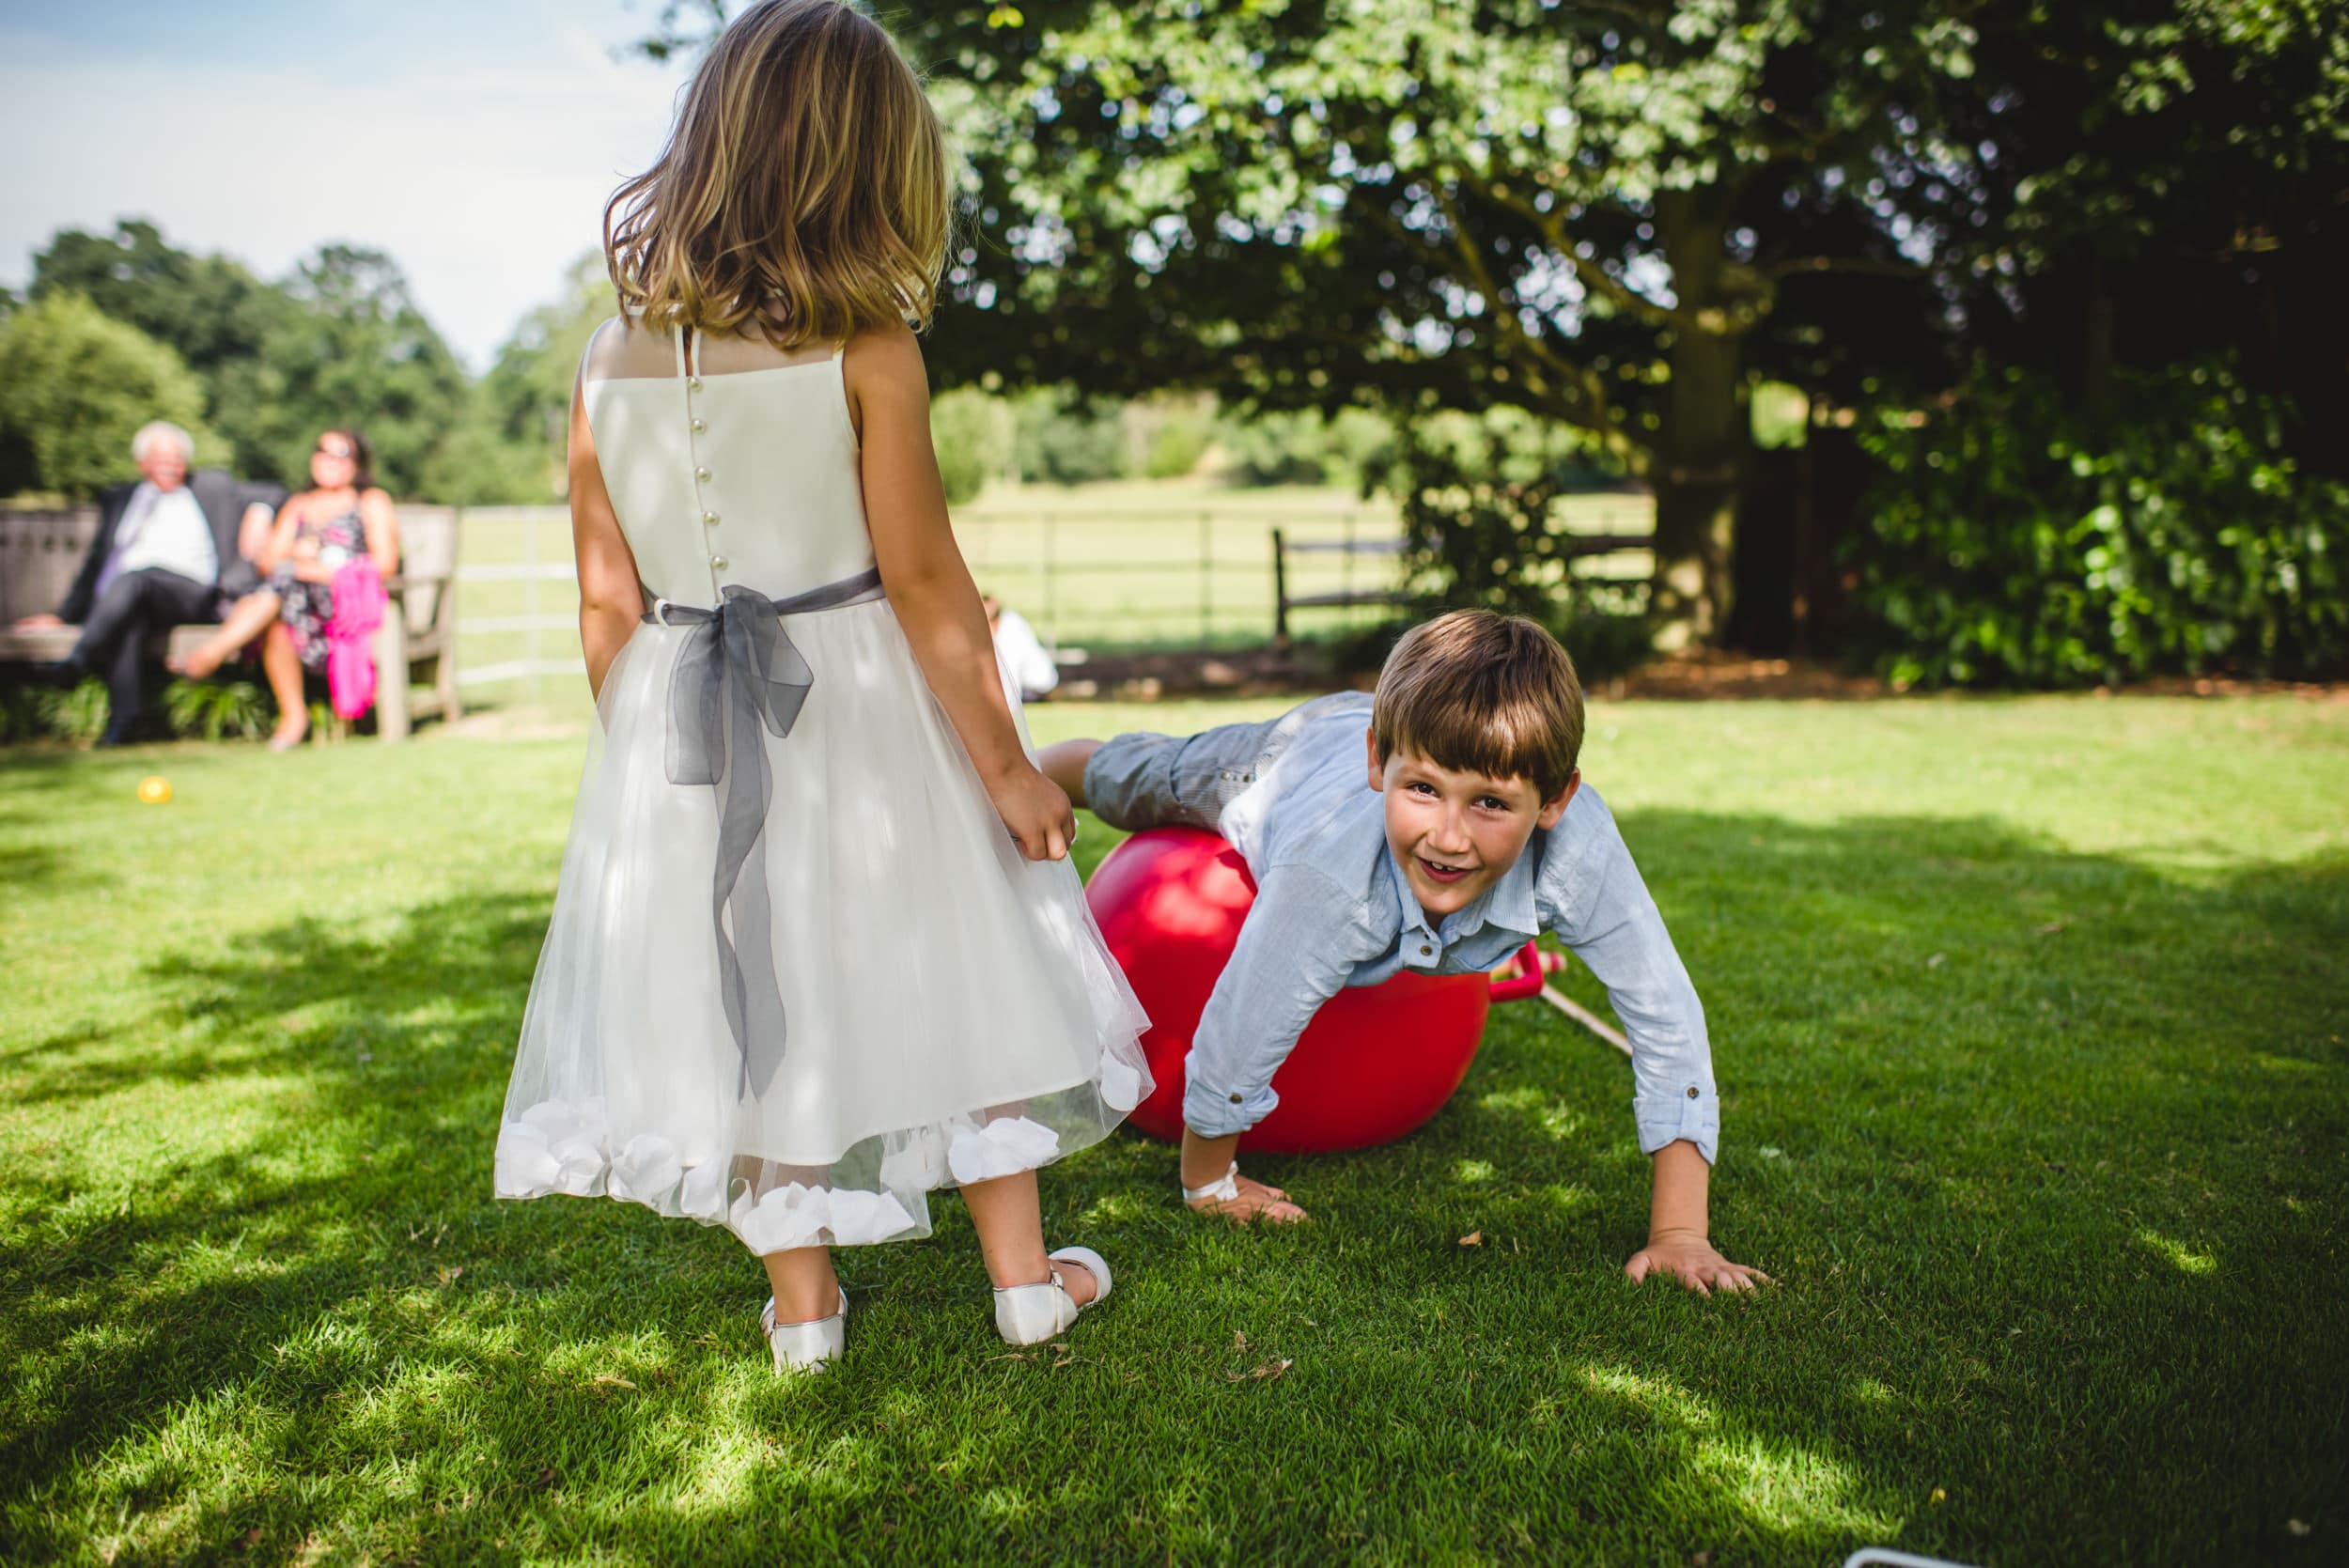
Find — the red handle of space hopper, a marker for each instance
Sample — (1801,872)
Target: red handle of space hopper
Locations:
(1527,983)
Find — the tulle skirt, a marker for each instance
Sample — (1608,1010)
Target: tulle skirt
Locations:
(952,1012)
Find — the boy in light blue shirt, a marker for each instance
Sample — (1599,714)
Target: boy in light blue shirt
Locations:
(1469,834)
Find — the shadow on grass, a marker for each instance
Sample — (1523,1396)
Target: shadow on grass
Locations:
(37,868)
(2039,1143)
(31,779)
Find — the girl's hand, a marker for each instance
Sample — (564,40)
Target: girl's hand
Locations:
(1687,1257)
(1036,810)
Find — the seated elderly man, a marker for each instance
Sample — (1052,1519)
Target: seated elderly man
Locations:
(170,548)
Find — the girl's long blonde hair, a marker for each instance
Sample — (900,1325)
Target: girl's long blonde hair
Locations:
(802,196)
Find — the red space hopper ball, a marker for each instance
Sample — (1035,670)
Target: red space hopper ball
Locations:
(1375,1063)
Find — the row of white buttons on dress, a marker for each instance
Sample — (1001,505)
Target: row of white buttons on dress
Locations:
(701,475)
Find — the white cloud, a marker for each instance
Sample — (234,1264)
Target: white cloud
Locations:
(485,177)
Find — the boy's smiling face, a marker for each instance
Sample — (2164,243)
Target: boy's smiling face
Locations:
(1455,833)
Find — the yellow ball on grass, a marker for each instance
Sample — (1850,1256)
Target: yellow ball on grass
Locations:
(155,789)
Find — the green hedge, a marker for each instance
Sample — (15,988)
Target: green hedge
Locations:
(2012,540)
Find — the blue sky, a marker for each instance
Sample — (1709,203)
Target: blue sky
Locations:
(475,142)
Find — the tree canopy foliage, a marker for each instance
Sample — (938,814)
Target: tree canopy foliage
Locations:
(1618,217)
(75,385)
(340,342)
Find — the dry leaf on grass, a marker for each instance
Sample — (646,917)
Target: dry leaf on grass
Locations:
(1474,1238)
(610,1381)
(1269,1370)
(2053,927)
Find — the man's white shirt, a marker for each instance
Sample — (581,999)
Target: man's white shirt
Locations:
(166,530)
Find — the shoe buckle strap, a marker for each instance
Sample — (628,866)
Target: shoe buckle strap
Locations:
(1223,1189)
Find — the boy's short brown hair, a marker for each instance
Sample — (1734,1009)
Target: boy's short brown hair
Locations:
(1482,694)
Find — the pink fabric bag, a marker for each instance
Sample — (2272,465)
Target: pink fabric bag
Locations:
(360,602)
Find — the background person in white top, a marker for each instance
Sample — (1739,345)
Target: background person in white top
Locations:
(1020,655)
(169,550)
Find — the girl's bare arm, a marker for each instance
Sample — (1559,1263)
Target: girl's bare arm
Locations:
(610,602)
(929,585)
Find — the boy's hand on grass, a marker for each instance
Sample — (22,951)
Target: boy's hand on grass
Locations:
(1687,1257)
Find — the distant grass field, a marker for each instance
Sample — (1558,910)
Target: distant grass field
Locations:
(2028,1016)
(1113,566)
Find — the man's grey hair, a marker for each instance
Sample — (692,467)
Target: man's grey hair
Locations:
(161,429)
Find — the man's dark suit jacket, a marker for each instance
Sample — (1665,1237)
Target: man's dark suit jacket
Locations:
(223,498)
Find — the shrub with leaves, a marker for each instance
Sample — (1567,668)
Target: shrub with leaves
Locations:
(1303,446)
(1480,522)
(1066,439)
(77,713)
(1174,434)
(970,430)
(217,709)
(2016,540)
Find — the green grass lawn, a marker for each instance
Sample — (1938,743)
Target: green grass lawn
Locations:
(2028,1017)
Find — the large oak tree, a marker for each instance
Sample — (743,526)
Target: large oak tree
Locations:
(1613,215)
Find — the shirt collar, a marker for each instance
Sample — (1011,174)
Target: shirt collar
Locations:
(1413,917)
(1508,904)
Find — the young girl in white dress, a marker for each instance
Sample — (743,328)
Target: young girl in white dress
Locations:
(817,948)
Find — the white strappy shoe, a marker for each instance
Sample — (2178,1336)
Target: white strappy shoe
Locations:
(809,1346)
(1029,1314)
(1223,1189)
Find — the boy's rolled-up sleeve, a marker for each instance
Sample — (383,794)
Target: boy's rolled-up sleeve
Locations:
(1613,925)
(1296,949)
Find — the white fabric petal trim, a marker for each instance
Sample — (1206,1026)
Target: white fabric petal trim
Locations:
(1003,1147)
(859,1219)
(796,1215)
(917,1163)
(1121,1084)
(704,1195)
(525,1166)
(565,1146)
(648,1170)
(528,1166)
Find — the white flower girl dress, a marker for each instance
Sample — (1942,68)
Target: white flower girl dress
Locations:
(797,974)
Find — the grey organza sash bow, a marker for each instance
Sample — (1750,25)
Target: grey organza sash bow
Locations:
(738,675)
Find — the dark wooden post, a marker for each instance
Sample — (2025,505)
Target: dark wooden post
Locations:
(1280,596)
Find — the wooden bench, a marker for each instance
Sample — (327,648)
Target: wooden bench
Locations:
(40,553)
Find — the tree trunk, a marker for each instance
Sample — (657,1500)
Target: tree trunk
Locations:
(2096,379)
(1700,448)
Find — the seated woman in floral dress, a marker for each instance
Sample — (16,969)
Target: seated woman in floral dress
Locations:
(341,517)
